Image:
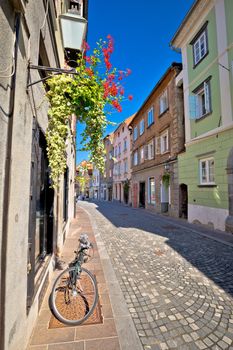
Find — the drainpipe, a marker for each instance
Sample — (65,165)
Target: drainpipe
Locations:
(7,184)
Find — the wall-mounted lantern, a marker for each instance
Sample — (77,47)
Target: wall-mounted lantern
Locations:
(73,29)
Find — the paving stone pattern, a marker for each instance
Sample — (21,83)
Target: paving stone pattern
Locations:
(178,285)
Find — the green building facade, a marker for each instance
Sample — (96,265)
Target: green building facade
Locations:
(205,38)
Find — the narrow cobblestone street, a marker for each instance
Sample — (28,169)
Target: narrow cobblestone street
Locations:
(177,282)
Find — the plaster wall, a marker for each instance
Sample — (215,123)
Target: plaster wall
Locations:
(17,322)
(121,134)
(217,146)
(211,217)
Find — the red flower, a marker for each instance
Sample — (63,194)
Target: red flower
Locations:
(89,71)
(122,91)
(117,105)
(85,45)
(130,97)
(128,71)
(111,77)
(88,60)
(113,89)
(108,64)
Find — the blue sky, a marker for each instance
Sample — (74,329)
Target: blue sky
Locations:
(142,31)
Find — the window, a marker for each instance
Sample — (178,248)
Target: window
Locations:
(119,168)
(125,166)
(116,151)
(135,133)
(141,126)
(157,145)
(200,47)
(207,171)
(163,102)
(40,208)
(135,158)
(151,190)
(164,142)
(119,149)
(200,102)
(151,150)
(110,172)
(150,116)
(142,154)
(125,144)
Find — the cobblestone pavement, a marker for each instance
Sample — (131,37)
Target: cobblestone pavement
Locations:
(178,285)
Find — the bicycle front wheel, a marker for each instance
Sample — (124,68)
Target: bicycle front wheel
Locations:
(72,303)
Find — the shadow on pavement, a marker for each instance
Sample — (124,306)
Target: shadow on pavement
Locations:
(214,259)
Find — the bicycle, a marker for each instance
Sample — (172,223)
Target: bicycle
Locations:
(74,293)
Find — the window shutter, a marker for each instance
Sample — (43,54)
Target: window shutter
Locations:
(207,97)
(152,149)
(146,152)
(193,107)
(167,145)
(157,145)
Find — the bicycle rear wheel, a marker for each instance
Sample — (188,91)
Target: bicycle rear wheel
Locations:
(70,303)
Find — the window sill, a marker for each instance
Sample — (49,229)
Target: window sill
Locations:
(148,126)
(165,152)
(207,185)
(203,116)
(161,114)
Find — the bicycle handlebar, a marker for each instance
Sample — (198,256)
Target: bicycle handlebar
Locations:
(84,242)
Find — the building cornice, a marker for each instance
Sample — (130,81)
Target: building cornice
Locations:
(210,134)
(192,20)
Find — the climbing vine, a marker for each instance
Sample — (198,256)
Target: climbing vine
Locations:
(91,95)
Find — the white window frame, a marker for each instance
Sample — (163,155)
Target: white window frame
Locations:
(200,102)
(151,152)
(119,168)
(142,158)
(200,47)
(163,102)
(206,161)
(141,127)
(125,144)
(164,147)
(150,116)
(149,199)
(135,133)
(119,149)
(135,158)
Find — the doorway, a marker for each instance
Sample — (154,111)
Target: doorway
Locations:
(164,194)
(183,212)
(142,194)
(40,237)
(110,194)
